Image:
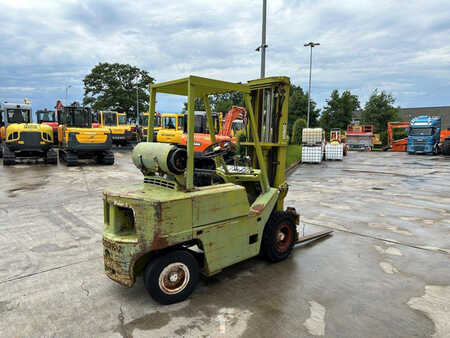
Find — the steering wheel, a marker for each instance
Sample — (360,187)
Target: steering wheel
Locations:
(220,148)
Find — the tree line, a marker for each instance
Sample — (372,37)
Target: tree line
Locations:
(124,88)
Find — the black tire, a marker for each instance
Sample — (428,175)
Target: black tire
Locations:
(279,236)
(446,147)
(176,263)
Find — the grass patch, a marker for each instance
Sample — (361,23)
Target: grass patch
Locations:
(294,154)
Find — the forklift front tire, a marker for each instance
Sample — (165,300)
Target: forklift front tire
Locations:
(278,237)
(172,277)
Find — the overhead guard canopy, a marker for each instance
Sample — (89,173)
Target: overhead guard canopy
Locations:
(203,86)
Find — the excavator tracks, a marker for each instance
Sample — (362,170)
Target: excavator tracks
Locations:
(9,158)
(69,157)
(106,157)
(51,157)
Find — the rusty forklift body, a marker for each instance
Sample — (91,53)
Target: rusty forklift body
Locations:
(177,224)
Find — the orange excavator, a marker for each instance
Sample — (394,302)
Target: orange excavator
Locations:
(202,139)
(400,144)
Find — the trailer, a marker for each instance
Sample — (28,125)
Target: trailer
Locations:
(360,137)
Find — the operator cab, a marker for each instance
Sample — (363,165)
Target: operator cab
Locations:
(110,118)
(200,122)
(46,116)
(170,122)
(18,114)
(77,116)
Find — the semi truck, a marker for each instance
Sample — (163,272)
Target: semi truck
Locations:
(424,135)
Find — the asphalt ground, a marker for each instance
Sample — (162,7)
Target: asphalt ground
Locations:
(385,271)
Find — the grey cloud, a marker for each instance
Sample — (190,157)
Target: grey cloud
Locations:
(397,46)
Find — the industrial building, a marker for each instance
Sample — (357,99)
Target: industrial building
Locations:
(406,114)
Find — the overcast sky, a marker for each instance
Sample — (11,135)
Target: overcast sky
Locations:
(402,47)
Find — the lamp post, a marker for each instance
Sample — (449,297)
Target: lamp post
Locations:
(67,92)
(263,45)
(310,44)
(137,102)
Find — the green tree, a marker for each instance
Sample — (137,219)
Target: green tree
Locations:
(339,109)
(297,130)
(379,110)
(298,108)
(115,87)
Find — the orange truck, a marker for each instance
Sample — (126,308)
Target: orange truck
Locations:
(202,138)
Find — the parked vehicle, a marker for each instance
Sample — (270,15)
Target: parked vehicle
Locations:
(49,118)
(360,137)
(223,134)
(171,128)
(122,133)
(170,228)
(424,135)
(79,140)
(20,138)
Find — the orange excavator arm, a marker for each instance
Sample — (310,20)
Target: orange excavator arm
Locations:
(234,113)
(395,125)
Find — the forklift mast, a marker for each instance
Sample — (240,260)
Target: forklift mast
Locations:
(270,100)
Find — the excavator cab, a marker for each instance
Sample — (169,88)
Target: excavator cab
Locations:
(22,139)
(223,132)
(172,126)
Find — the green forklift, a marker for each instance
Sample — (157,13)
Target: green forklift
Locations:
(194,214)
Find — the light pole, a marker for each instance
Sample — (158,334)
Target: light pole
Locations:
(67,92)
(137,102)
(138,78)
(310,44)
(263,45)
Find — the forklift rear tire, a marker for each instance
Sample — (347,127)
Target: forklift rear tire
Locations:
(278,237)
(171,278)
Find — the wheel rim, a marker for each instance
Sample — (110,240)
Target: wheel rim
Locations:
(174,278)
(283,237)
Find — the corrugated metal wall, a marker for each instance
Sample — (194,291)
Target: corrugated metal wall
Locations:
(444,112)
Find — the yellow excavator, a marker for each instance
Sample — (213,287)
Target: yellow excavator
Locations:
(171,128)
(143,126)
(79,140)
(122,133)
(22,139)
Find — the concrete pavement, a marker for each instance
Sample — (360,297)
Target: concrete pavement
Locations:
(384,272)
